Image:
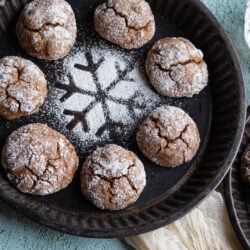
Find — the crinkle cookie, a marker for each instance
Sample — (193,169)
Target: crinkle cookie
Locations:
(23,87)
(168,137)
(112,177)
(47,29)
(245,166)
(176,68)
(38,160)
(129,24)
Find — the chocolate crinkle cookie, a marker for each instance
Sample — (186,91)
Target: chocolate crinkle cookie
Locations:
(47,29)
(112,177)
(38,160)
(176,68)
(245,165)
(168,137)
(23,87)
(129,24)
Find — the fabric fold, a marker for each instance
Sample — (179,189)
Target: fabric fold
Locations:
(206,227)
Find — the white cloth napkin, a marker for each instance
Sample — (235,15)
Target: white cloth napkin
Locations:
(207,227)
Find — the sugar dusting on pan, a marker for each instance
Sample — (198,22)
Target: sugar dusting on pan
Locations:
(102,92)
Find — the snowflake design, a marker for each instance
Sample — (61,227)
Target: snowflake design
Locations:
(100,94)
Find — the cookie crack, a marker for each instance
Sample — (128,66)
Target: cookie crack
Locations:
(188,62)
(45,49)
(48,164)
(126,19)
(132,185)
(166,139)
(32,173)
(154,121)
(180,137)
(38,178)
(198,62)
(20,71)
(18,102)
(111,179)
(8,95)
(183,132)
(169,71)
(48,24)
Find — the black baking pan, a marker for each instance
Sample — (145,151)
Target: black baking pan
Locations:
(219,111)
(237,193)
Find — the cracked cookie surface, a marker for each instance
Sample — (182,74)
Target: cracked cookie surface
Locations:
(112,177)
(129,24)
(176,68)
(38,160)
(168,137)
(245,165)
(47,29)
(23,87)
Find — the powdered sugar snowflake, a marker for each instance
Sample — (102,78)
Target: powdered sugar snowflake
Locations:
(103,93)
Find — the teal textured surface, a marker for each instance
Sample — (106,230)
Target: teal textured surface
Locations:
(231,14)
(18,232)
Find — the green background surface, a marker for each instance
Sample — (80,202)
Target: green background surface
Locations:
(18,232)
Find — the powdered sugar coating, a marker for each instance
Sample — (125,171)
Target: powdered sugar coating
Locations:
(39,160)
(176,68)
(23,87)
(112,177)
(168,137)
(130,24)
(47,29)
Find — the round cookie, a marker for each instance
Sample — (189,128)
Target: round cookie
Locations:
(245,166)
(23,87)
(38,160)
(168,137)
(112,177)
(129,24)
(47,29)
(176,68)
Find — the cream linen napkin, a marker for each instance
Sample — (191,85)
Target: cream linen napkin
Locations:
(206,227)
